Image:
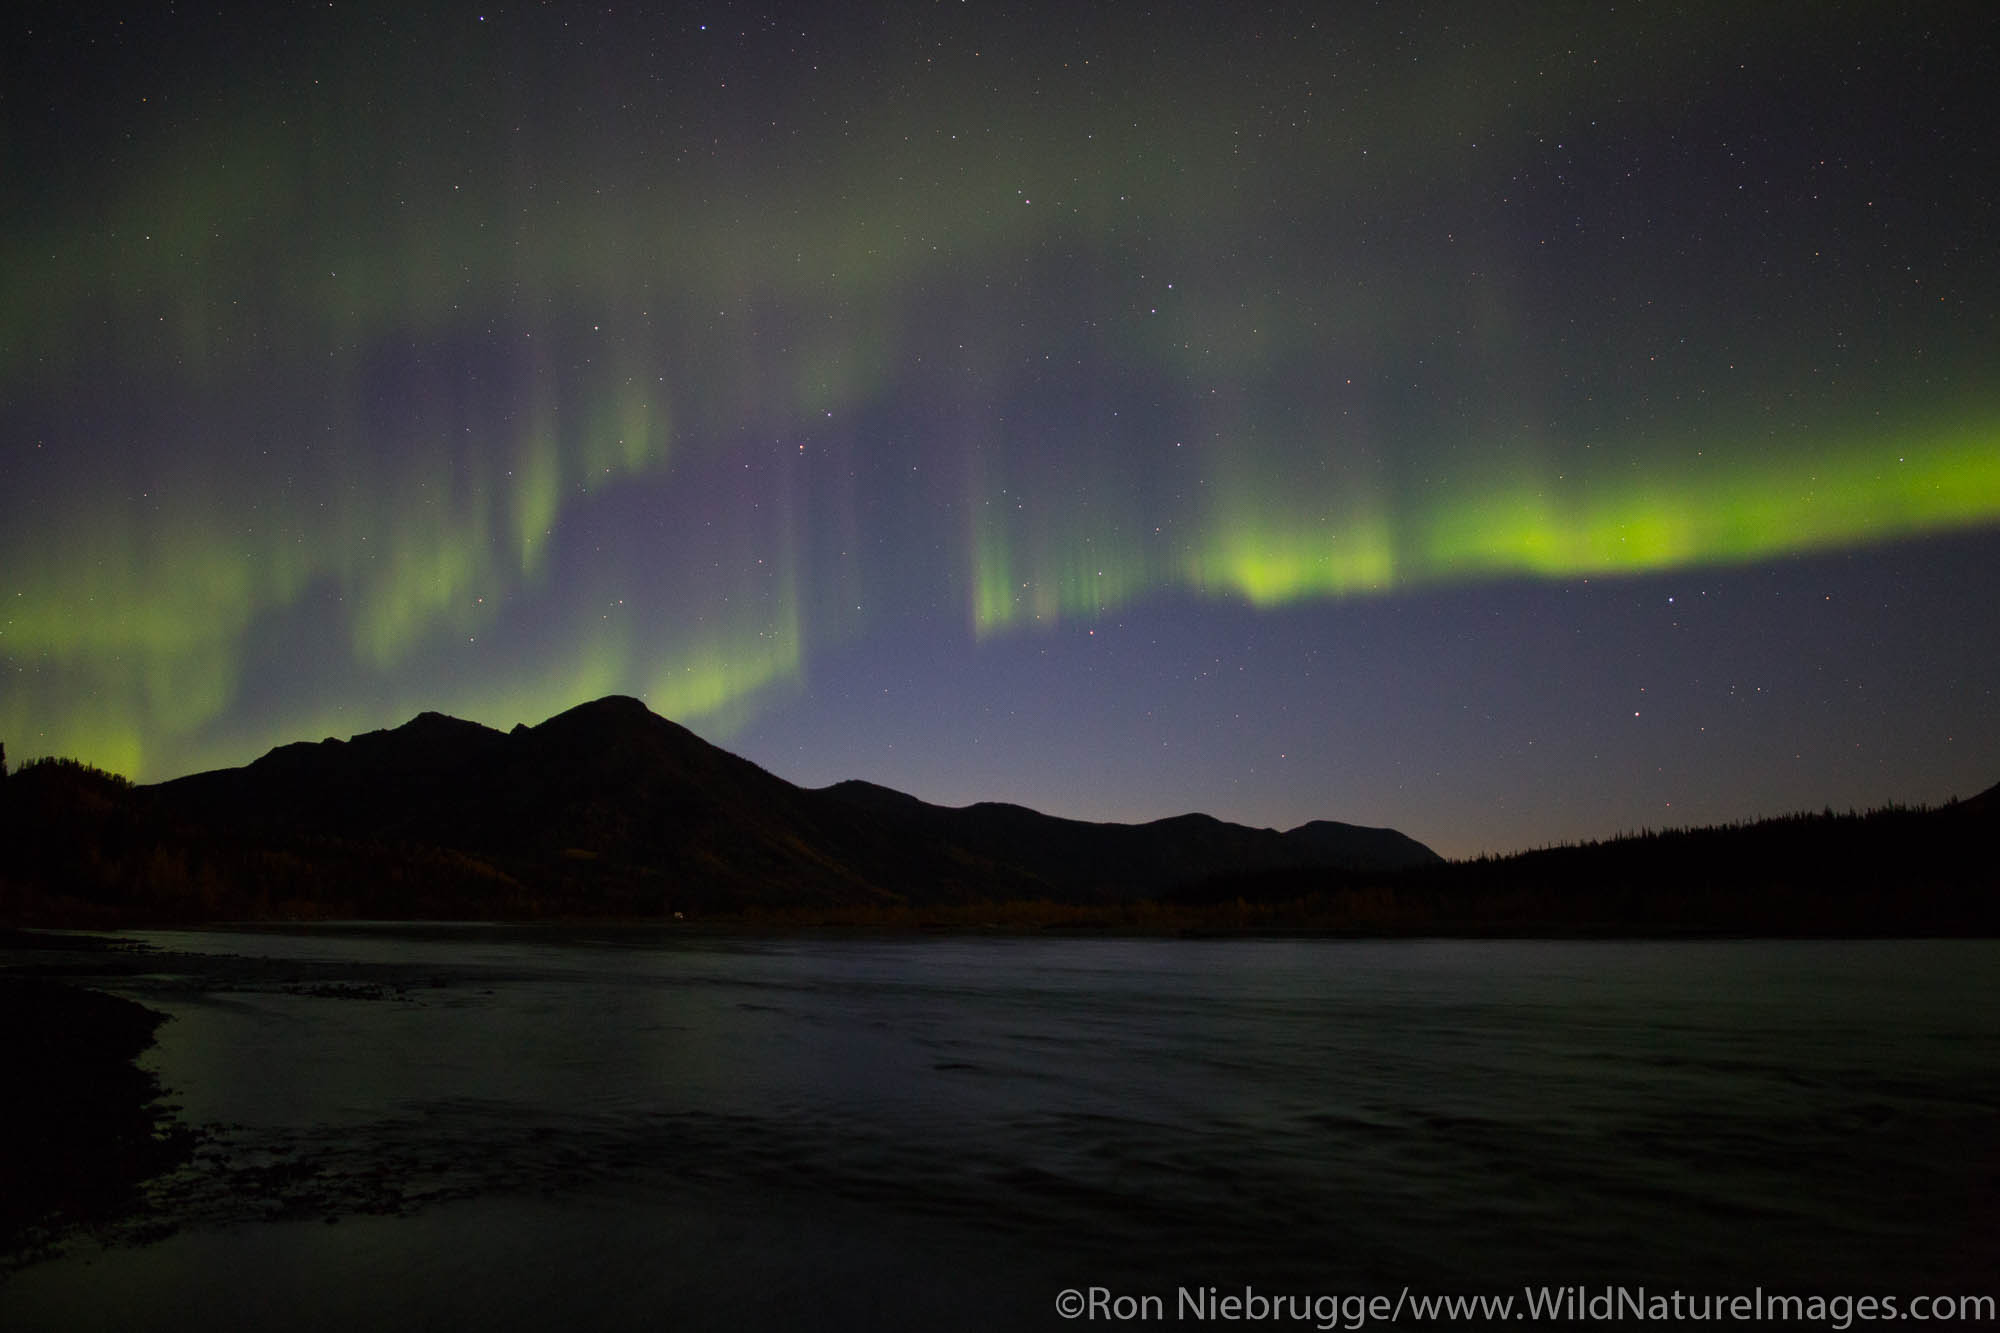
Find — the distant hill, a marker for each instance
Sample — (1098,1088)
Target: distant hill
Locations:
(1893,871)
(606,809)
(610,811)
(1986,805)
(1069,857)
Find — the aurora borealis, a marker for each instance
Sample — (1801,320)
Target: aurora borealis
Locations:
(1505,426)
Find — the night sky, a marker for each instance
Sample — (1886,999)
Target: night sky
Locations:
(1506,423)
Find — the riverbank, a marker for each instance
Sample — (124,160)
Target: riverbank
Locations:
(87,1125)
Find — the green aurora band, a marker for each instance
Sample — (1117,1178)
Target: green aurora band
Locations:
(474,419)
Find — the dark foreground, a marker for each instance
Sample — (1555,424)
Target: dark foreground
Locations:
(614,1127)
(83,1126)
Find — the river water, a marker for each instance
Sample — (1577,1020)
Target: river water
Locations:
(497,1128)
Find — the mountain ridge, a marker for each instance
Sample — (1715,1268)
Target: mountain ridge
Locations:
(607,811)
(611,793)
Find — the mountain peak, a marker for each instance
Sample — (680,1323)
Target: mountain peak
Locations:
(431,725)
(611,705)
(614,713)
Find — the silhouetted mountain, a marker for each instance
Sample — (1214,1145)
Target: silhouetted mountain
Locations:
(1985,806)
(608,808)
(603,807)
(1074,858)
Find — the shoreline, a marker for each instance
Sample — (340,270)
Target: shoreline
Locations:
(1135,921)
(75,1155)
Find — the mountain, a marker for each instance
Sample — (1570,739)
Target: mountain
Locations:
(610,809)
(1985,806)
(1075,858)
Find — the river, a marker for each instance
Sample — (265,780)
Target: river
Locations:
(504,1127)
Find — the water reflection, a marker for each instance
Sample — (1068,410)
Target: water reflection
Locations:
(854,1128)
